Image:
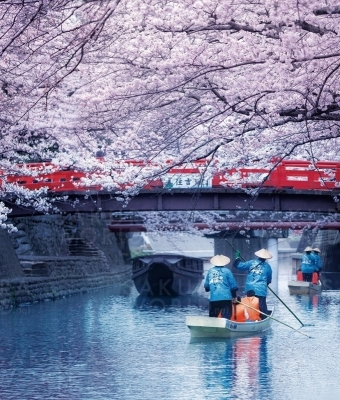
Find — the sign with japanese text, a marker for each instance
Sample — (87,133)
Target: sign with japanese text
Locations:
(186,181)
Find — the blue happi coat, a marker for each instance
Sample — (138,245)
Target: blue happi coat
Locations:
(220,282)
(259,275)
(308,263)
(318,262)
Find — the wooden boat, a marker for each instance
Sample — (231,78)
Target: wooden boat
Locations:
(301,287)
(167,274)
(208,327)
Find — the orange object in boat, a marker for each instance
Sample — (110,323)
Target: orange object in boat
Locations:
(254,315)
(315,278)
(299,276)
(238,314)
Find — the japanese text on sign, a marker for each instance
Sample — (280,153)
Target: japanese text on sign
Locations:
(186,181)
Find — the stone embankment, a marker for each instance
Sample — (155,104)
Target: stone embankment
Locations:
(50,257)
(15,292)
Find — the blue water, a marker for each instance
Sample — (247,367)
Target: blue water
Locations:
(114,344)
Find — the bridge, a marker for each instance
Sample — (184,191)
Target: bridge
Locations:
(187,200)
(291,186)
(265,203)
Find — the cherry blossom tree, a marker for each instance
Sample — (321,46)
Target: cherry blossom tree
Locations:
(236,83)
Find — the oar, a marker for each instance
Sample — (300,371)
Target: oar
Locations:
(269,316)
(285,305)
(302,324)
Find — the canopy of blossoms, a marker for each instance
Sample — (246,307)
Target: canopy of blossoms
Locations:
(235,83)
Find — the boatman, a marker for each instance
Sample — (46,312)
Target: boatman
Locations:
(259,276)
(316,253)
(221,284)
(308,264)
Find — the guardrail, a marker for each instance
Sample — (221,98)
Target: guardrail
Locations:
(290,174)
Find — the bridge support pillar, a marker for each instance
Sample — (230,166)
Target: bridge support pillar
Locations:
(274,262)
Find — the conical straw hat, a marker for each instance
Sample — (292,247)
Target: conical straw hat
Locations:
(220,260)
(317,249)
(308,248)
(263,253)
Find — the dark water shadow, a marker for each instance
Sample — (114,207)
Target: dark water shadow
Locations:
(161,302)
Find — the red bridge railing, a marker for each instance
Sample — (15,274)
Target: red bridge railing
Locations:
(291,174)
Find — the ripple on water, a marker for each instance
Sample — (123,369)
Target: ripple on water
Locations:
(112,344)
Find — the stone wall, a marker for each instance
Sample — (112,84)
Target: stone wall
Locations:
(57,236)
(54,256)
(9,262)
(52,234)
(14,292)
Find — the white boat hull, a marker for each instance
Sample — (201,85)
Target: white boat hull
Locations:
(209,327)
(300,287)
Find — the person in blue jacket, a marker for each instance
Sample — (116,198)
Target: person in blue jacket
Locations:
(316,253)
(259,276)
(221,284)
(308,264)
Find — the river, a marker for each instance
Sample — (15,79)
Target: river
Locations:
(114,344)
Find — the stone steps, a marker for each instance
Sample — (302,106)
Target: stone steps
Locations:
(80,247)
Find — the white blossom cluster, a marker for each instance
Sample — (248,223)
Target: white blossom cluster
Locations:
(239,84)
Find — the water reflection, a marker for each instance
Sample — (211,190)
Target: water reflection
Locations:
(237,368)
(114,344)
(308,302)
(195,300)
